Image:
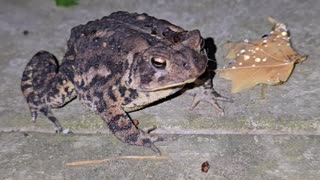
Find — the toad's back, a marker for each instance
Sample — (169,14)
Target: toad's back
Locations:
(127,24)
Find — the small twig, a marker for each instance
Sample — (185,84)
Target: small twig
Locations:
(81,163)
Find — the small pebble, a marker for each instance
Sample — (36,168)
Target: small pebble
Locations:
(205,167)
(25,32)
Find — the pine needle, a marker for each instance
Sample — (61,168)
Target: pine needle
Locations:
(89,162)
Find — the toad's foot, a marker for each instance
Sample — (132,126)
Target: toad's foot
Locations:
(123,128)
(147,140)
(208,95)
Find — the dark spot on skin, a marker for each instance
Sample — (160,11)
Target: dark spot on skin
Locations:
(118,81)
(98,81)
(52,119)
(111,40)
(25,74)
(88,97)
(98,94)
(176,39)
(95,39)
(132,138)
(154,32)
(161,78)
(31,98)
(67,70)
(148,24)
(26,86)
(100,105)
(186,65)
(127,100)
(93,62)
(166,32)
(51,92)
(81,84)
(135,57)
(122,90)
(152,41)
(126,65)
(111,95)
(114,123)
(146,141)
(133,93)
(63,98)
(44,111)
(93,31)
(118,117)
(146,79)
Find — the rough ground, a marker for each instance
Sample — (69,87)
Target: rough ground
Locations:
(273,138)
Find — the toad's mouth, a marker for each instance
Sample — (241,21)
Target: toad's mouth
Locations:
(169,86)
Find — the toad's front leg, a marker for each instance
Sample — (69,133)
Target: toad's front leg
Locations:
(122,127)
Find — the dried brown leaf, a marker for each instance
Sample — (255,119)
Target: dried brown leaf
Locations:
(268,60)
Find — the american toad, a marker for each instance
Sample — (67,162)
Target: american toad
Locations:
(115,65)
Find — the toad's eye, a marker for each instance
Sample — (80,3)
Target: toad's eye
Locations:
(158,63)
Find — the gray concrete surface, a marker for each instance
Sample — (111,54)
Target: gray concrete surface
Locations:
(274,138)
(42,156)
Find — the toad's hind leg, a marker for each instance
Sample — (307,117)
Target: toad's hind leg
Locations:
(44,88)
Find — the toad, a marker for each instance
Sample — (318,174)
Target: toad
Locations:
(115,65)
